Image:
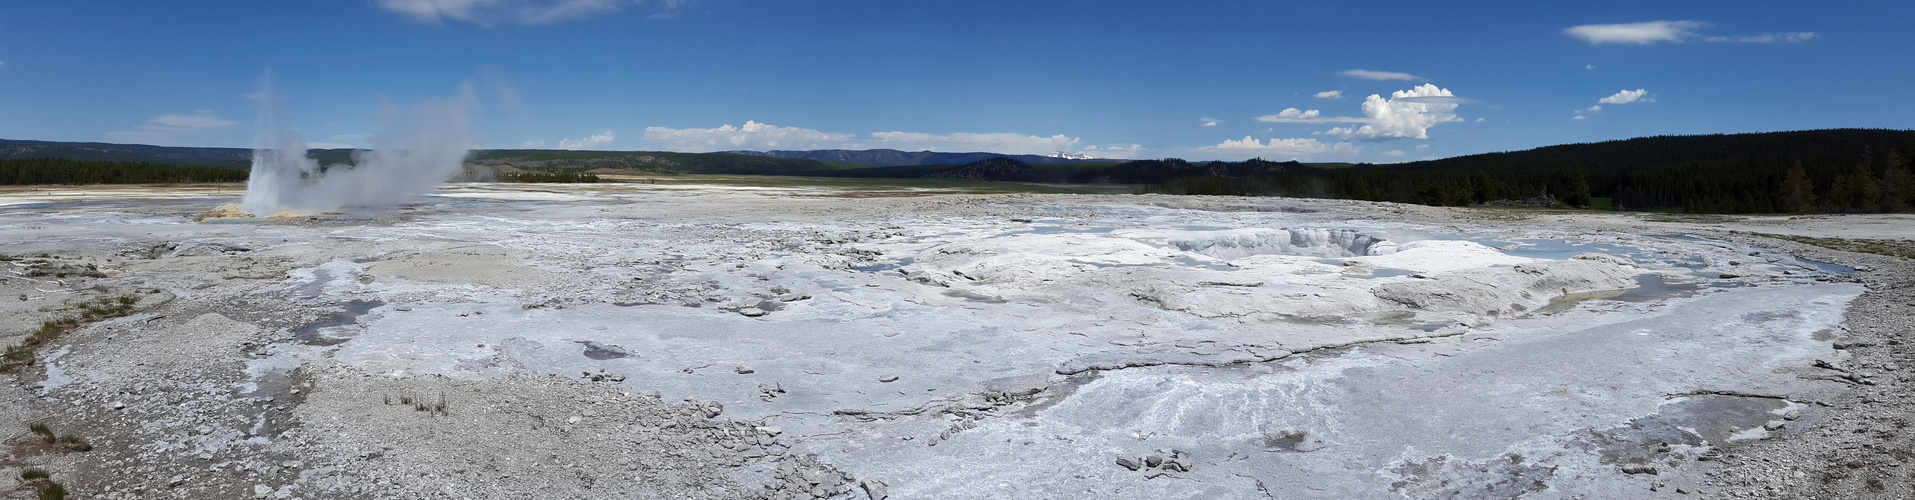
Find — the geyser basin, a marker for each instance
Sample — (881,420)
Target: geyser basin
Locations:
(948,350)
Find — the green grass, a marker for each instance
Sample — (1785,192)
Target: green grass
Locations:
(22,354)
(34,474)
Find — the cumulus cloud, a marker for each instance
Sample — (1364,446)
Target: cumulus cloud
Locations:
(1330,94)
(1394,153)
(753,135)
(1593,109)
(490,13)
(1208,122)
(593,141)
(163,128)
(760,136)
(1670,32)
(1627,96)
(1287,147)
(1294,115)
(1579,117)
(1365,74)
(1406,114)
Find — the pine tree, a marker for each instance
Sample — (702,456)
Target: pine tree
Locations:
(1798,194)
(1898,184)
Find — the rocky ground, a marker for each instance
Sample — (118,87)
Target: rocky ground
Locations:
(736,343)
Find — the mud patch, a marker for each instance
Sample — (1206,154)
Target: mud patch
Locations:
(309,334)
(602,352)
(1509,476)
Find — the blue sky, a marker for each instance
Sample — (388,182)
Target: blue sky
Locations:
(1192,79)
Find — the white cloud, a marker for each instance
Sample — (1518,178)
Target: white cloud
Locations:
(1380,75)
(329,145)
(1209,122)
(1592,109)
(1589,66)
(1288,147)
(1791,37)
(201,119)
(164,128)
(753,135)
(1479,119)
(1671,32)
(533,145)
(1635,33)
(967,142)
(1421,147)
(490,13)
(1126,151)
(1407,114)
(760,136)
(1402,116)
(1395,153)
(1294,115)
(1627,96)
(1579,117)
(1330,94)
(594,140)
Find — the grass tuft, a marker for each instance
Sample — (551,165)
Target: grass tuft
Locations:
(22,354)
(28,475)
(43,431)
(53,491)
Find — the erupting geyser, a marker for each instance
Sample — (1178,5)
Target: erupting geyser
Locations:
(414,152)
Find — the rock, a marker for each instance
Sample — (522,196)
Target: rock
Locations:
(742,369)
(1774,425)
(1639,468)
(1130,463)
(752,312)
(119,405)
(1153,461)
(874,489)
(260,490)
(888,378)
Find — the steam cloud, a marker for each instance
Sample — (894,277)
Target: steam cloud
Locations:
(415,152)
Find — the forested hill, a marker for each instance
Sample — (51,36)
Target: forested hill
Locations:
(1812,147)
(1842,170)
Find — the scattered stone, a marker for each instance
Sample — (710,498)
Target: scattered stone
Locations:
(1639,468)
(742,369)
(875,489)
(752,312)
(1774,425)
(888,378)
(1130,463)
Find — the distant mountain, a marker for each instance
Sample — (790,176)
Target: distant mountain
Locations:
(98,151)
(896,158)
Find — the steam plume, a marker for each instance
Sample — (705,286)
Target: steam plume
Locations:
(414,152)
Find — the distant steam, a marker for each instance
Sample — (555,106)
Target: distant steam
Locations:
(416,150)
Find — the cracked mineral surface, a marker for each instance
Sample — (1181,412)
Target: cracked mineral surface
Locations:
(645,341)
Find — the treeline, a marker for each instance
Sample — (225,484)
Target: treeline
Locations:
(1847,170)
(57,171)
(550,177)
